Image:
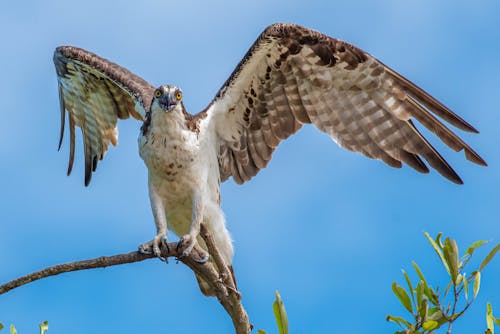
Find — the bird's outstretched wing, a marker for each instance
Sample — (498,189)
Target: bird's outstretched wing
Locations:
(96,93)
(293,75)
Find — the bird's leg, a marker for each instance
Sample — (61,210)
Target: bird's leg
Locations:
(188,241)
(154,246)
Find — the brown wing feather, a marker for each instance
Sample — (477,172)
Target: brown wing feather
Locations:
(293,75)
(96,93)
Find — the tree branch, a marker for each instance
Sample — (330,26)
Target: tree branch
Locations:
(100,262)
(215,272)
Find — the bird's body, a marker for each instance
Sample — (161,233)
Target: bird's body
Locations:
(179,171)
(171,154)
(291,76)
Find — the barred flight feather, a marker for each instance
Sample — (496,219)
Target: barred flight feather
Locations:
(293,75)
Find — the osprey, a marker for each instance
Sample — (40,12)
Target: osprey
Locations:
(290,76)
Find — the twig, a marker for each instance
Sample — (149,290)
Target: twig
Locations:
(212,273)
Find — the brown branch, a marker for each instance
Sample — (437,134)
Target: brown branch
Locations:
(232,303)
(100,262)
(215,274)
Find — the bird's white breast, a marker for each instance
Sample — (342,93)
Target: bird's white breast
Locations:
(171,154)
(180,163)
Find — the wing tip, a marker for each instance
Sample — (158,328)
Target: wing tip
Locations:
(475,158)
(472,129)
(449,173)
(88,177)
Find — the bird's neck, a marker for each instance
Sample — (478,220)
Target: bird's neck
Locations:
(163,122)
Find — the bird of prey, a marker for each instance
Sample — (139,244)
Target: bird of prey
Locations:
(290,76)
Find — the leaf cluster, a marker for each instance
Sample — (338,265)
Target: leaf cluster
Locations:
(44,327)
(431,308)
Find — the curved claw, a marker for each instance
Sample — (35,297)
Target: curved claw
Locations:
(179,247)
(143,251)
(153,247)
(187,242)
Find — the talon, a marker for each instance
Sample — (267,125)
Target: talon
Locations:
(179,247)
(187,242)
(153,246)
(143,251)
(164,242)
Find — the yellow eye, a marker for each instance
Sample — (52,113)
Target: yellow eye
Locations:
(157,93)
(178,96)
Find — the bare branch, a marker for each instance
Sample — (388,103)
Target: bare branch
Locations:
(100,262)
(215,274)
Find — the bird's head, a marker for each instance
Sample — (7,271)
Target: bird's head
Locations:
(167,98)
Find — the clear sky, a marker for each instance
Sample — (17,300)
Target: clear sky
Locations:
(329,228)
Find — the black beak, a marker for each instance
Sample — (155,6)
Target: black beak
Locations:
(164,102)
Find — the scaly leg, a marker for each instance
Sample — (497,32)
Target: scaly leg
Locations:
(160,239)
(188,241)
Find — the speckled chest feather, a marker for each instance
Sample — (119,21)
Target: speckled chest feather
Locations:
(171,153)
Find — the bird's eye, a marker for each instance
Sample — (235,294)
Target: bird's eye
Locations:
(157,94)
(178,96)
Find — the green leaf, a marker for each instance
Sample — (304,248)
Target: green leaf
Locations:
(475,245)
(438,240)
(398,320)
(447,289)
(410,286)
(420,293)
(1,326)
(260,331)
(419,272)
(429,293)
(459,280)
(488,257)
(423,309)
(477,283)
(451,257)
(280,314)
(466,287)
(13,329)
(435,314)
(430,325)
(438,250)
(402,296)
(489,317)
(44,326)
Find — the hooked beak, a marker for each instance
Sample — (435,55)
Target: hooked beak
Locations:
(166,103)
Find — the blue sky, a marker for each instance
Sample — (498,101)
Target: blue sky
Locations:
(329,228)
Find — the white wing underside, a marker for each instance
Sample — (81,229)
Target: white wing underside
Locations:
(293,76)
